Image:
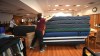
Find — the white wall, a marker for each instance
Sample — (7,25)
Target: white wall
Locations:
(89,11)
(5,17)
(33,4)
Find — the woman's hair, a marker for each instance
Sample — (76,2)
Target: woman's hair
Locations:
(39,16)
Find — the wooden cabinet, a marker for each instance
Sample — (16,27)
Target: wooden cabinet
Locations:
(98,28)
(91,21)
(99,20)
(94,22)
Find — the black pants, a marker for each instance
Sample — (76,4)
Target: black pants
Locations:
(11,29)
(39,36)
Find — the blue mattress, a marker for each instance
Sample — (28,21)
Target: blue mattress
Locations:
(62,34)
(71,18)
(68,22)
(68,30)
(50,23)
(65,38)
(84,33)
(67,26)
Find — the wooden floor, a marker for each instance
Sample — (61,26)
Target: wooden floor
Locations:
(59,51)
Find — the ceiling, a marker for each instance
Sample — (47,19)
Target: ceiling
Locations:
(49,5)
(6,7)
(17,7)
(11,9)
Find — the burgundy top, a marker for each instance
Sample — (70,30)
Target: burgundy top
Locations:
(41,24)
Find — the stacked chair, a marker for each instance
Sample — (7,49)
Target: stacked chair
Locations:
(88,52)
(9,45)
(67,30)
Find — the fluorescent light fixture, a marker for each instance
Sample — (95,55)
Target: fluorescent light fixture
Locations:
(56,5)
(61,9)
(67,5)
(69,9)
(54,9)
(78,5)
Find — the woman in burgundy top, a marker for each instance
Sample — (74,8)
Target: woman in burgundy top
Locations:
(39,32)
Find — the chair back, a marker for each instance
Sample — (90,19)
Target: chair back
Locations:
(98,36)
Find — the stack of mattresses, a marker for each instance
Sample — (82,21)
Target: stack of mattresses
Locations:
(72,30)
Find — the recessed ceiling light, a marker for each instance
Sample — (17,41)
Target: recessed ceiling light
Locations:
(61,9)
(69,9)
(56,5)
(54,9)
(67,5)
(78,5)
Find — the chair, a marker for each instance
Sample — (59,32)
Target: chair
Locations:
(20,32)
(89,52)
(94,37)
(98,37)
